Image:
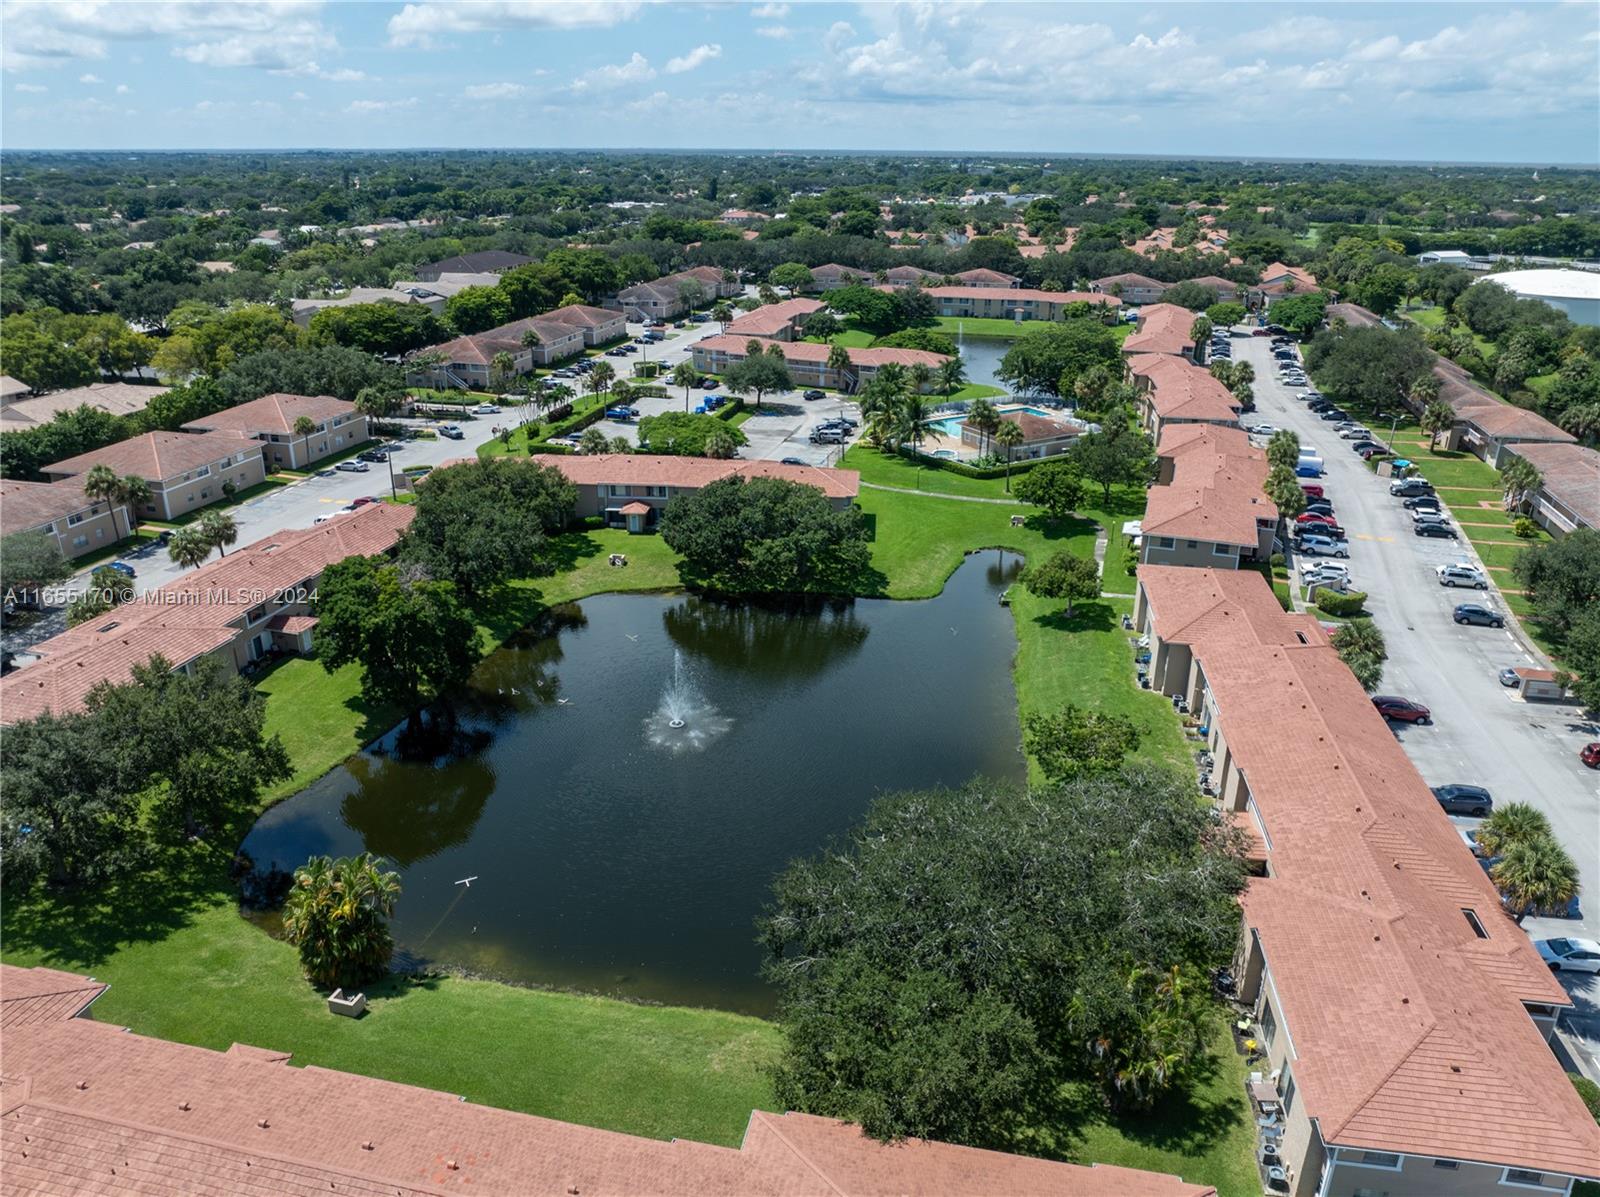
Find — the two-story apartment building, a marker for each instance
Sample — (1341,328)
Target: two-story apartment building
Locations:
(76,523)
(237,608)
(629,489)
(911,276)
(271,420)
(779,321)
(983,277)
(469,362)
(1402,1014)
(830,276)
(1131,288)
(671,295)
(1208,507)
(184,470)
(600,326)
(1010,303)
(1171,391)
(809,363)
(1163,328)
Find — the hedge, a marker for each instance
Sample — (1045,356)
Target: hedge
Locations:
(574,423)
(1589,1091)
(1343,606)
(728,410)
(967,471)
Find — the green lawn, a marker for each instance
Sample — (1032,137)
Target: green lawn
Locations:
(184,966)
(850,338)
(973,390)
(1431,318)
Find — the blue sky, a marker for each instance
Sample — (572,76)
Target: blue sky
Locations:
(1437,81)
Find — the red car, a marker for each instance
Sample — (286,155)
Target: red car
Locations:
(1401,710)
(1312,517)
(1313,491)
(1589,754)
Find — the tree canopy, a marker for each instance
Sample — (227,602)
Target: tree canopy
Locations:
(1050,359)
(686,434)
(941,969)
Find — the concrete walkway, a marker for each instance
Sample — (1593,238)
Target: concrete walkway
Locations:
(933,494)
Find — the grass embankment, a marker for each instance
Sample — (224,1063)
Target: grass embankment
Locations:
(184,966)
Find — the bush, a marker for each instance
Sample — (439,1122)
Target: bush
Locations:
(1278,561)
(970,471)
(728,410)
(1524,527)
(1589,1091)
(576,423)
(1342,606)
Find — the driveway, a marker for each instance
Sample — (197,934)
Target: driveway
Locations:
(1481,733)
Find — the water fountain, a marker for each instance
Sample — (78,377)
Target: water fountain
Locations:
(684,721)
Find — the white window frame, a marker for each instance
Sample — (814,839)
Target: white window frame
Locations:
(1363,1162)
(1505,1179)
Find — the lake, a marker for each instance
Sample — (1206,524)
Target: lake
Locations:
(981,356)
(614,852)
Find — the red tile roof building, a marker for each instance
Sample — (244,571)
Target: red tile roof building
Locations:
(983,277)
(1208,507)
(185,470)
(1403,1011)
(271,420)
(90,1107)
(1163,328)
(1009,303)
(224,607)
(1131,288)
(780,321)
(1172,391)
(76,523)
(808,361)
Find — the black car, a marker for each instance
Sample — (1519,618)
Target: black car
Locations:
(1334,413)
(1362,446)
(1464,800)
(812,395)
(708,384)
(1422,503)
(373,455)
(1407,488)
(1437,531)
(1318,405)
(1481,616)
(1321,508)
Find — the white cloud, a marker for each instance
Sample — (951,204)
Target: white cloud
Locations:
(364,107)
(494,91)
(299,95)
(270,33)
(770,12)
(697,57)
(123,89)
(90,79)
(422,24)
(779,33)
(30,87)
(636,70)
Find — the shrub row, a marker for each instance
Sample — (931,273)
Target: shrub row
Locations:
(728,410)
(967,471)
(1342,606)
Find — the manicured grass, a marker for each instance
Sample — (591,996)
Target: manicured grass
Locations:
(973,390)
(1431,318)
(142,535)
(890,469)
(850,338)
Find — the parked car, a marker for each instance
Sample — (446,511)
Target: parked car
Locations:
(708,384)
(791,461)
(123,568)
(1472,613)
(1510,677)
(1313,490)
(1410,488)
(827,436)
(1401,710)
(1589,754)
(373,455)
(812,395)
(1322,567)
(364,501)
(1571,955)
(1362,446)
(1424,515)
(1463,799)
(1322,546)
(1308,469)
(451,433)
(1461,574)
(1437,531)
(624,414)
(1294,383)
(1422,503)
(1334,413)
(1319,507)
(1312,517)
(486,409)
(1368,452)
(352,467)
(1358,433)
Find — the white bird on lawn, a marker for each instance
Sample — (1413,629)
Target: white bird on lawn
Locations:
(630,636)
(561,702)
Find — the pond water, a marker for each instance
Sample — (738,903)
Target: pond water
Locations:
(639,767)
(981,356)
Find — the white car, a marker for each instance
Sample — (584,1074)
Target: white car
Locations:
(1324,546)
(1462,574)
(1571,955)
(1358,433)
(1325,577)
(486,409)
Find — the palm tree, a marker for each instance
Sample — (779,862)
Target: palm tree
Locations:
(722,313)
(984,418)
(1582,420)
(1009,436)
(600,378)
(1283,488)
(912,415)
(1361,647)
(839,361)
(304,426)
(685,375)
(102,485)
(1200,334)
(720,444)
(335,915)
(1508,824)
(1424,389)
(921,378)
(952,375)
(219,529)
(136,493)
(1244,372)
(1535,874)
(501,368)
(1521,478)
(1438,418)
(1283,449)
(188,547)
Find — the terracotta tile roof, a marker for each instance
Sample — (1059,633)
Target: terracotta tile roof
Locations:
(1216,282)
(806,351)
(1131,280)
(986,276)
(28,505)
(118,398)
(1352,314)
(292,625)
(1017,294)
(636,508)
(582,315)
(273,413)
(198,613)
(1408,1027)
(1042,428)
(911,274)
(773,318)
(110,1112)
(156,456)
(32,995)
(1180,439)
(1223,511)
(829,271)
(1277,272)
(1571,476)
(659,469)
(1163,328)
(1182,391)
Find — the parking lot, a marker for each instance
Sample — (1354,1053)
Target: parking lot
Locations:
(1481,733)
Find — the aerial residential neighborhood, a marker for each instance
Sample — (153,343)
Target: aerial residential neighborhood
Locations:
(800,598)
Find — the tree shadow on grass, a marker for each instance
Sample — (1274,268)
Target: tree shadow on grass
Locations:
(1060,529)
(1088,615)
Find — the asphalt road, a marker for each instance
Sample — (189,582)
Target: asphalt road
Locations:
(1481,733)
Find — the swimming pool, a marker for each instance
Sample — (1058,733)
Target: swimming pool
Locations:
(951,425)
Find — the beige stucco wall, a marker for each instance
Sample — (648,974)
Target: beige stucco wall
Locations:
(1186,552)
(175,498)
